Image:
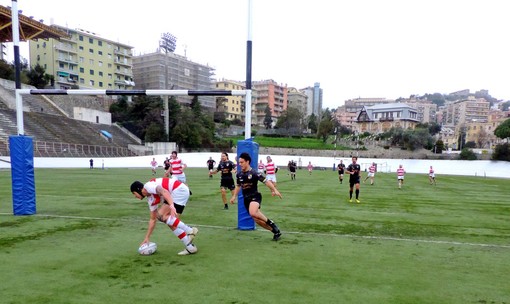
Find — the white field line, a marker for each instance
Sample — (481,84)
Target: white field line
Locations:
(380,238)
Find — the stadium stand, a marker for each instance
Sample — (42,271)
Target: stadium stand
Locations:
(55,134)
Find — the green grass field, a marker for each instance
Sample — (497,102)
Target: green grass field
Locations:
(423,244)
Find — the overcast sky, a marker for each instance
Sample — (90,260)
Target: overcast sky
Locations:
(354,48)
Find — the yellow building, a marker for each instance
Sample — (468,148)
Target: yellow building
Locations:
(232,106)
(84,60)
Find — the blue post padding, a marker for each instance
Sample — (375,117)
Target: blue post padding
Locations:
(22,172)
(244,220)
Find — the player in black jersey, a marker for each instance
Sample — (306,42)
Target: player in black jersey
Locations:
(354,170)
(341,170)
(226,167)
(247,179)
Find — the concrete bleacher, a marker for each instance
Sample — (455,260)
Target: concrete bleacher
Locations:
(54,133)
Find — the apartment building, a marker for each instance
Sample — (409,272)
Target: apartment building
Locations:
(268,93)
(84,60)
(426,110)
(159,71)
(297,99)
(314,100)
(232,106)
(466,110)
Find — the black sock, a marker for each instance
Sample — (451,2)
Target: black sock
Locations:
(273,226)
(350,194)
(357,193)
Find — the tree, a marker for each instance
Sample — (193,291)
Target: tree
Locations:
(439,147)
(482,138)
(174,114)
(312,123)
(503,130)
(6,70)
(187,131)
(268,120)
(502,152)
(467,154)
(37,77)
(196,107)
(326,127)
(119,109)
(290,120)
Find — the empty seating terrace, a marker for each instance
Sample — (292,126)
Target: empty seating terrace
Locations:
(55,135)
(59,136)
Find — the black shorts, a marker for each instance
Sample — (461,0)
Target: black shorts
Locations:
(227,184)
(340,172)
(256,197)
(354,181)
(178,208)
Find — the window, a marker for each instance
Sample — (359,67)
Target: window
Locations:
(82,70)
(100,53)
(109,65)
(100,43)
(91,82)
(82,81)
(91,40)
(91,61)
(80,38)
(110,76)
(101,74)
(91,72)
(81,48)
(100,63)
(100,84)
(82,59)
(91,51)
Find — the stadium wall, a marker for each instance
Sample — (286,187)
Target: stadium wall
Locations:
(483,168)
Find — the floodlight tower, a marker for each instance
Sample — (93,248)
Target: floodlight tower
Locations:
(167,44)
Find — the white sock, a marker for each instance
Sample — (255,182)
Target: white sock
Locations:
(183,236)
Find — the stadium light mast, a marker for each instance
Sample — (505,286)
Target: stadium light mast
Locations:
(168,44)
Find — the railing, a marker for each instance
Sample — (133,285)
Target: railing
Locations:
(60,149)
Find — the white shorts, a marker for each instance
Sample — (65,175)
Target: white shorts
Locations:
(400,177)
(180,177)
(432,175)
(371,174)
(180,195)
(271,177)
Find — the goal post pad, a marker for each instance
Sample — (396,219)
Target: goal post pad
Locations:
(22,174)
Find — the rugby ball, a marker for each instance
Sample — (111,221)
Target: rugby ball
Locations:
(147,248)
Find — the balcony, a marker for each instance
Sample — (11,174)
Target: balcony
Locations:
(386,119)
(122,52)
(123,73)
(123,63)
(63,48)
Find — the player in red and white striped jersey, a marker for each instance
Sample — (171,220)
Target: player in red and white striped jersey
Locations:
(432,176)
(167,198)
(400,176)
(271,170)
(371,174)
(177,167)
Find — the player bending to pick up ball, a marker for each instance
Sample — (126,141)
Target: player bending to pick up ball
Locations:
(247,179)
(167,199)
